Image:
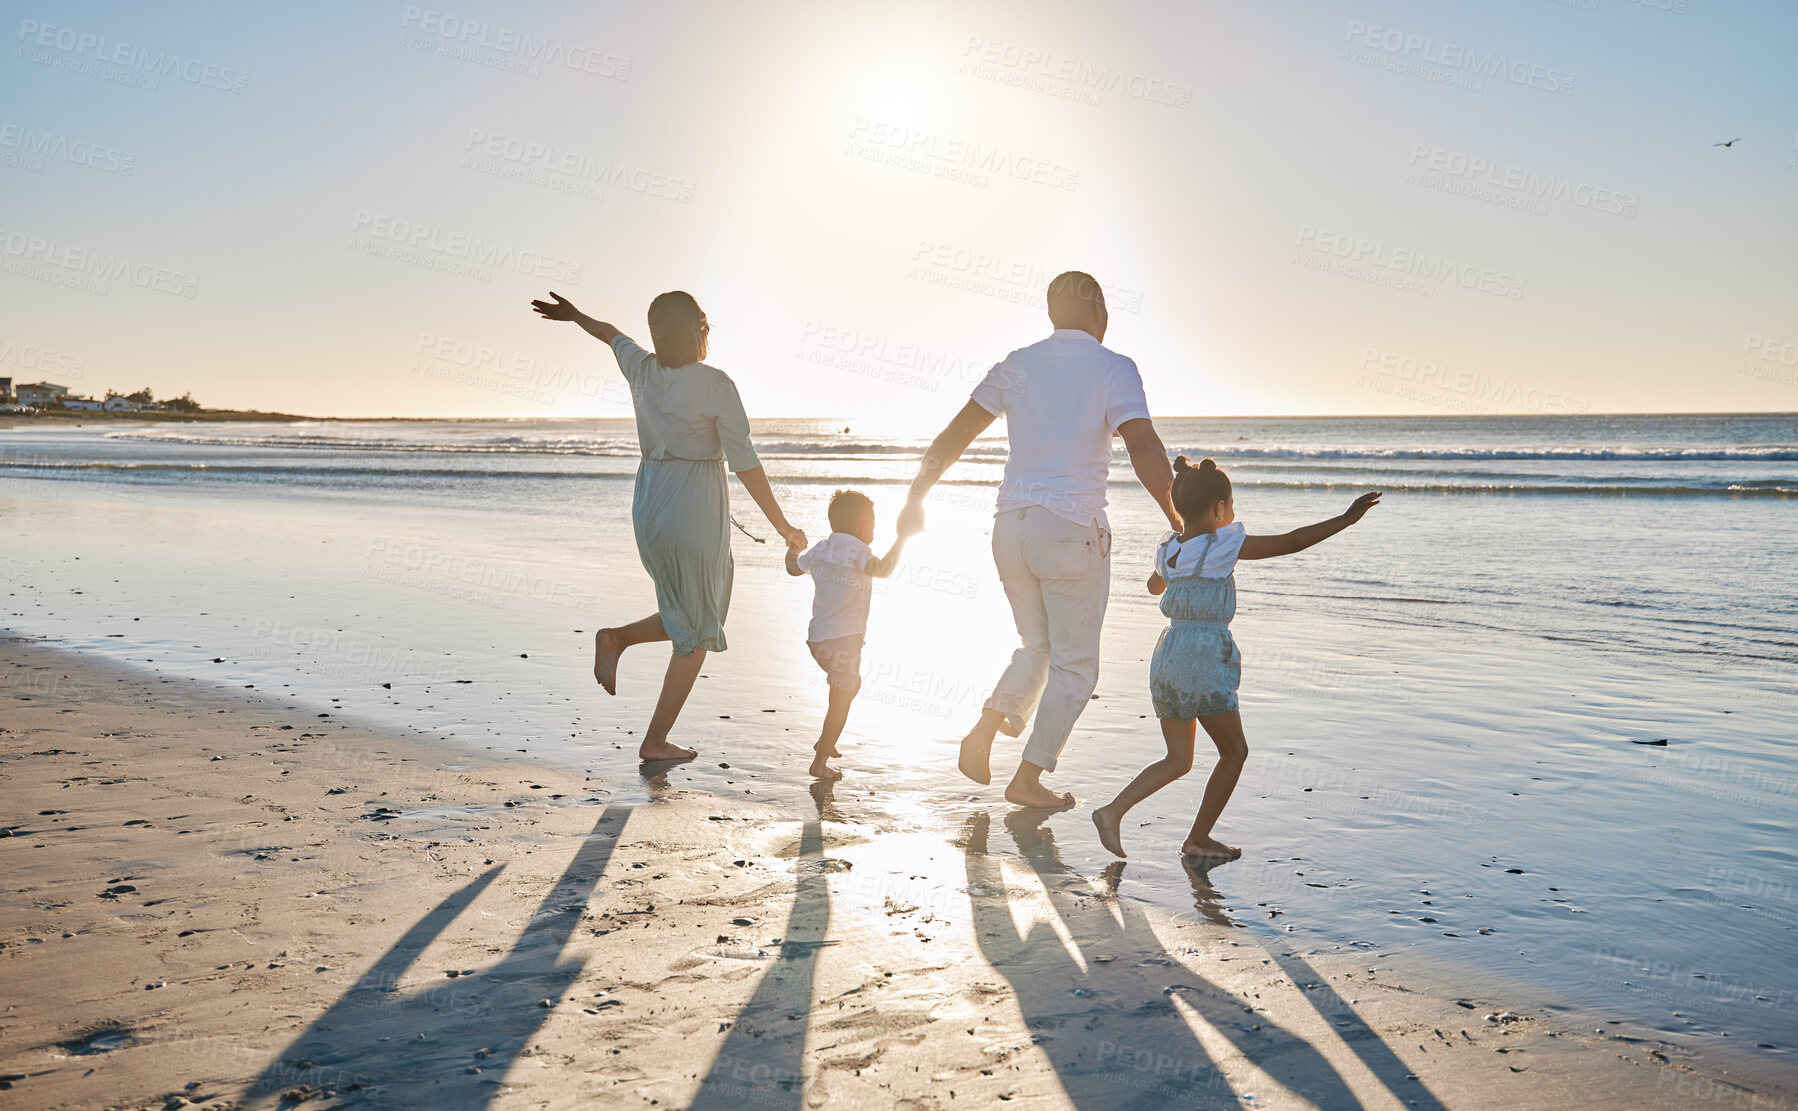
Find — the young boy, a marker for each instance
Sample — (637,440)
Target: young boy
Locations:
(843,569)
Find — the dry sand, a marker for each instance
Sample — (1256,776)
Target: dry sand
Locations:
(213,898)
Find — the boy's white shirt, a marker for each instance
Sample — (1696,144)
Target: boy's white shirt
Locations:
(1220,557)
(842,586)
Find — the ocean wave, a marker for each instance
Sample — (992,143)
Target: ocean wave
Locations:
(989,449)
(1420,483)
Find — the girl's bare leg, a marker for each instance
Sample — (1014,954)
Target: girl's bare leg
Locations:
(676,685)
(609,644)
(1179,736)
(1225,731)
(834,719)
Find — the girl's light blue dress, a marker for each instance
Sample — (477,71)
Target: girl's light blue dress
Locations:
(690,424)
(1196,668)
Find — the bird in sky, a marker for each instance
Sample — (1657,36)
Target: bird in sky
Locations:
(1731,143)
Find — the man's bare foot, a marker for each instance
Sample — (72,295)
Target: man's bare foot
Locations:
(664,750)
(1037,797)
(822,770)
(605,659)
(1209,848)
(976,757)
(1109,834)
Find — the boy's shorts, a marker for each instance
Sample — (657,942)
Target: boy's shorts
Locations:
(841,659)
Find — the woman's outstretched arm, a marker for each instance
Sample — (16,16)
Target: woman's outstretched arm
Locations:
(755,480)
(1266,547)
(560,309)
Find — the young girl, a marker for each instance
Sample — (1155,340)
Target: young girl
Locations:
(1196,668)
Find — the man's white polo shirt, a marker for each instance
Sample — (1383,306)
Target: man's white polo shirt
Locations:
(1062,399)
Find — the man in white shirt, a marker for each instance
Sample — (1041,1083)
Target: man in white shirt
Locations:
(1062,400)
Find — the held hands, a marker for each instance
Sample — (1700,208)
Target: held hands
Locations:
(556,309)
(1361,505)
(794,537)
(911,518)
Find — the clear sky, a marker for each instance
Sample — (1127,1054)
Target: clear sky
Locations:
(1296,206)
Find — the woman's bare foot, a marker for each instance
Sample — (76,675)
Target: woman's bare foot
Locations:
(829,750)
(1109,833)
(1037,797)
(1209,848)
(605,660)
(664,750)
(822,770)
(977,757)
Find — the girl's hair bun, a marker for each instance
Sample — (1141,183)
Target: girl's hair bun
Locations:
(1207,464)
(1181,464)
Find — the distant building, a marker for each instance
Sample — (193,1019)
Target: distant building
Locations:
(41,393)
(119,403)
(5,390)
(82,404)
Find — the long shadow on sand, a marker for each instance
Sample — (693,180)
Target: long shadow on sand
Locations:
(449,1045)
(762,1062)
(1111,1029)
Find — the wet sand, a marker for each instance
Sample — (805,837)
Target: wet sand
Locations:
(218,899)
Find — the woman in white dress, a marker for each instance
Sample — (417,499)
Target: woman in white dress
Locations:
(690,426)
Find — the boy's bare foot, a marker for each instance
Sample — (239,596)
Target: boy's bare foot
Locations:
(1209,848)
(1037,797)
(664,750)
(605,660)
(822,770)
(1109,834)
(977,757)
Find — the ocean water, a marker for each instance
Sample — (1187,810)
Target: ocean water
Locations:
(1456,709)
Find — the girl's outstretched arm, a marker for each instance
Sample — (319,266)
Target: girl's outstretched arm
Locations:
(1266,547)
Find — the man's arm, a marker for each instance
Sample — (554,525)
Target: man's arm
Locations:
(942,454)
(1148,458)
